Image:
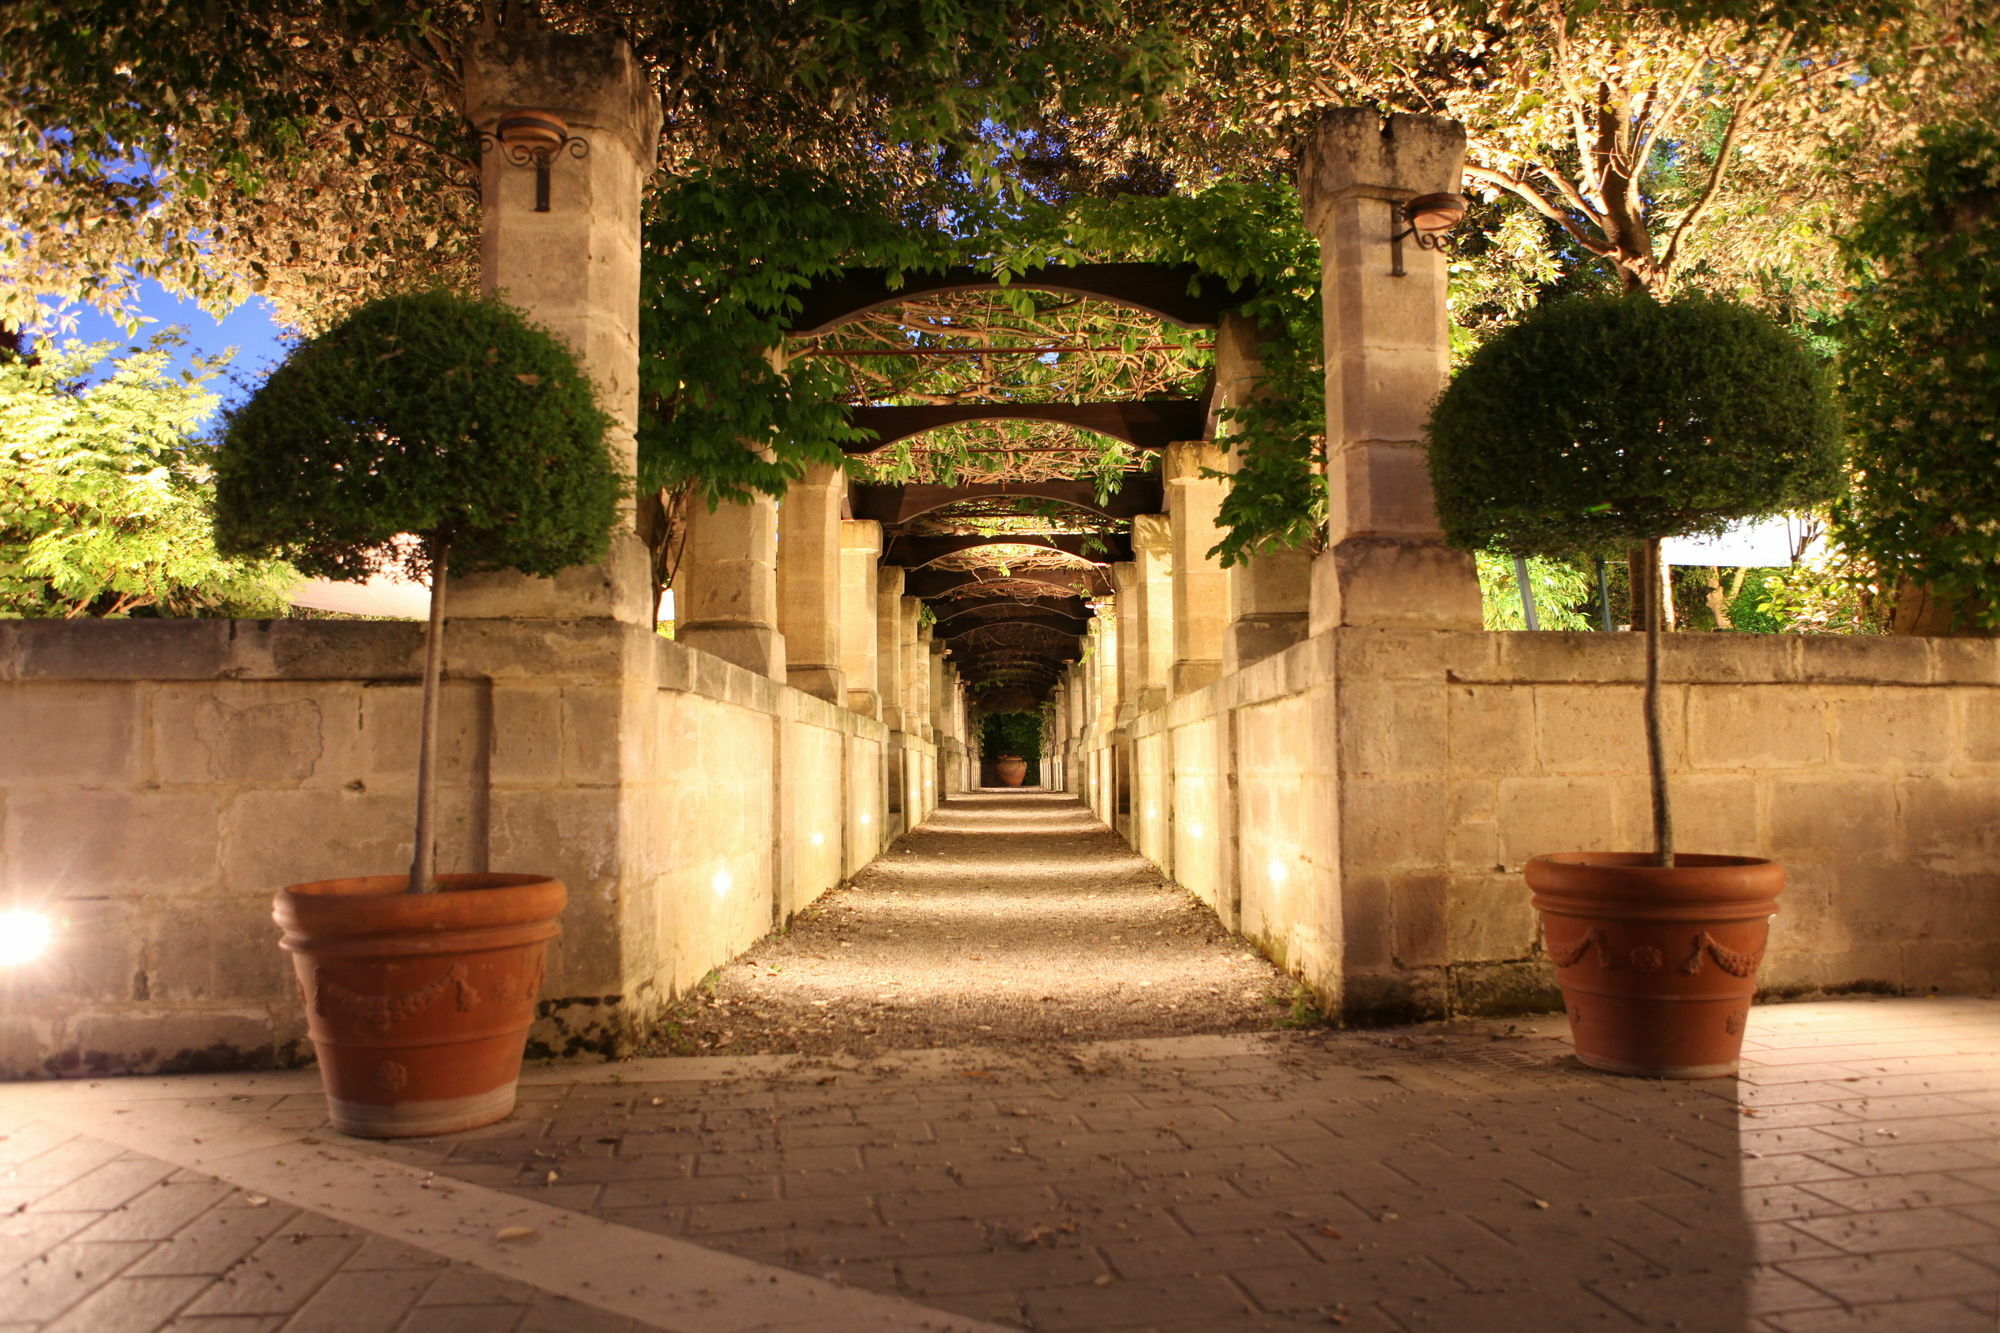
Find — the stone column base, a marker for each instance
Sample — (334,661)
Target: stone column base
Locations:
(758,648)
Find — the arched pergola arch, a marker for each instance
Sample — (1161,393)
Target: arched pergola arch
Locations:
(1097,548)
(1180,294)
(1144,423)
(893,504)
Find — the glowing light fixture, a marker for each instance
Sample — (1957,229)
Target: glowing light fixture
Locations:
(819,839)
(24,936)
(720,882)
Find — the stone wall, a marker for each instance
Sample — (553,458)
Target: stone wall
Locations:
(160,780)
(1361,804)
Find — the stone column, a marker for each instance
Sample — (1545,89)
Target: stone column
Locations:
(860,547)
(923,661)
(1125,611)
(1200,584)
(726,590)
(573,269)
(809,583)
(1386,358)
(909,654)
(889,643)
(1104,688)
(1152,553)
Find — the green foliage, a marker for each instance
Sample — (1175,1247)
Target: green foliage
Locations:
(1921,376)
(1251,236)
(1598,423)
(429,414)
(728,251)
(104,490)
(1838,598)
(725,255)
(1010,733)
(1564,592)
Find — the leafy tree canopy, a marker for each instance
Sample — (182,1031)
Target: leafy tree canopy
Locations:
(315,150)
(1599,423)
(1921,375)
(429,414)
(104,490)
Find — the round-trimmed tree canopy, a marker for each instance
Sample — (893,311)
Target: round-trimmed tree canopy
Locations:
(1599,423)
(432,414)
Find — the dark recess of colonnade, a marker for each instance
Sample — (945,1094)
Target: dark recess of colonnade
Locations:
(1014,625)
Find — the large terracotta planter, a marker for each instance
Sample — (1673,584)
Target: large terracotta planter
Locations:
(1657,966)
(1012,770)
(419,1004)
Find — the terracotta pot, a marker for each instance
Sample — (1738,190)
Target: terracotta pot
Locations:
(1012,770)
(419,1004)
(1657,966)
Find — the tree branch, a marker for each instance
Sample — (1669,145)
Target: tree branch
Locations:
(1516,186)
(1744,108)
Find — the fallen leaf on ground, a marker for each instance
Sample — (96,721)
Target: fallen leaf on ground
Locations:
(516,1233)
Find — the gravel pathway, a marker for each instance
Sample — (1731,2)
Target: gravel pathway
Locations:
(1006,917)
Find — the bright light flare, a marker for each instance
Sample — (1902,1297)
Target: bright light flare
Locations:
(24,936)
(720,882)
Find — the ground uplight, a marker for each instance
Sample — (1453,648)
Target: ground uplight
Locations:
(24,936)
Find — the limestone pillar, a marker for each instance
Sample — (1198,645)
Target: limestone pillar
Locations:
(1152,553)
(909,652)
(1200,584)
(726,589)
(1270,593)
(917,714)
(860,548)
(1128,592)
(573,269)
(1104,685)
(889,643)
(1386,358)
(809,581)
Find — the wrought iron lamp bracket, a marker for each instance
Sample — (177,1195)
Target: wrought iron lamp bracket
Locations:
(533,140)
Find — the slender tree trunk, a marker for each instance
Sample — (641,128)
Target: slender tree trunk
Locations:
(1656,759)
(423,858)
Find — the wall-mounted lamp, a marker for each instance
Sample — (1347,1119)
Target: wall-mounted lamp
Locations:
(533,139)
(1427,217)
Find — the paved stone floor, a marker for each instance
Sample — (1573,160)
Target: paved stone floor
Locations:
(1468,1178)
(1052,1166)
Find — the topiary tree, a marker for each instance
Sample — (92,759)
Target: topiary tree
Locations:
(1602,423)
(1920,373)
(422,434)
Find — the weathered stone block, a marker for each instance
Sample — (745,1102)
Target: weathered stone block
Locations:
(1865,659)
(1819,818)
(92,650)
(1965,661)
(1389,822)
(70,734)
(1890,728)
(114,843)
(273,838)
(257,733)
(217,949)
(527,735)
(157,1042)
(1550,656)
(1592,729)
(1490,918)
(1714,659)
(1491,729)
(1542,815)
(1771,726)
(1953,825)
(1982,725)
(391,725)
(1384,653)
(1715,813)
